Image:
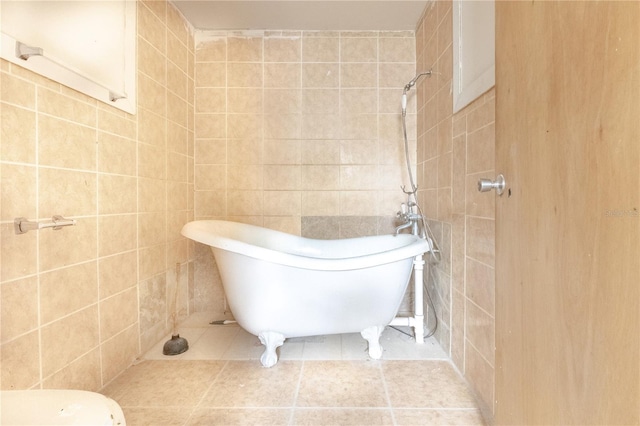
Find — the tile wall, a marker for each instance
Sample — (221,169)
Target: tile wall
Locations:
(79,304)
(299,131)
(454,151)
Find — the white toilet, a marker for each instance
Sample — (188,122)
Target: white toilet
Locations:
(58,407)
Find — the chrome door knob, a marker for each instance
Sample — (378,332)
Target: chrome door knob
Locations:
(485,185)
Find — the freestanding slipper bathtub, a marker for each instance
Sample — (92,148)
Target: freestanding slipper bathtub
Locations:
(280,285)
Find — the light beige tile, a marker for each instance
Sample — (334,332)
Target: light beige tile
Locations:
(178,109)
(117,273)
(152,261)
(212,50)
(246,384)
(282,101)
(244,49)
(245,203)
(321,75)
(480,331)
(481,240)
(116,194)
(282,203)
(358,75)
(66,192)
(245,177)
(320,203)
(19,253)
(468,417)
(150,27)
(151,228)
(79,242)
(19,307)
(282,75)
(320,177)
(116,154)
(18,91)
(19,192)
(282,126)
(211,100)
(437,385)
(397,49)
(282,49)
(241,74)
(481,375)
(65,340)
(118,353)
(282,177)
(164,383)
(344,416)
(210,126)
(67,290)
(244,126)
(155,415)
(320,101)
(20,362)
(151,61)
(151,128)
(241,100)
(321,49)
(211,74)
(240,416)
(341,384)
(18,133)
(282,151)
(116,234)
(358,49)
(81,374)
(118,313)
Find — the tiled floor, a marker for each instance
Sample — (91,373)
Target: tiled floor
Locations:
(323,380)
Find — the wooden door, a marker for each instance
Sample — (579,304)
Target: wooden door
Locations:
(568,227)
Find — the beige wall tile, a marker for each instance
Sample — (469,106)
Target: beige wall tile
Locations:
(358,49)
(66,192)
(116,234)
(116,154)
(19,307)
(117,273)
(79,242)
(77,137)
(118,313)
(20,362)
(397,49)
(282,49)
(65,340)
(320,75)
(244,49)
(151,28)
(320,49)
(80,291)
(18,198)
(116,194)
(18,133)
(358,75)
(18,91)
(81,374)
(118,353)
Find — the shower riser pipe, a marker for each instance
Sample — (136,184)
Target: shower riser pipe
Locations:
(417,320)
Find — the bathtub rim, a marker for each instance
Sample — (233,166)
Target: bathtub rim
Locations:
(411,246)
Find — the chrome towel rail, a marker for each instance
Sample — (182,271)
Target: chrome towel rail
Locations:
(22,224)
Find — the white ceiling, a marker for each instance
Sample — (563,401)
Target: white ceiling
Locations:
(354,15)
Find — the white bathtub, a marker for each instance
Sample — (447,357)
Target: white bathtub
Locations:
(280,285)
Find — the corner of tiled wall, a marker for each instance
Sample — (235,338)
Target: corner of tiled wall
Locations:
(454,151)
(78,305)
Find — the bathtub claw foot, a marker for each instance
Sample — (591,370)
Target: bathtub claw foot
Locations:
(372,335)
(271,341)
